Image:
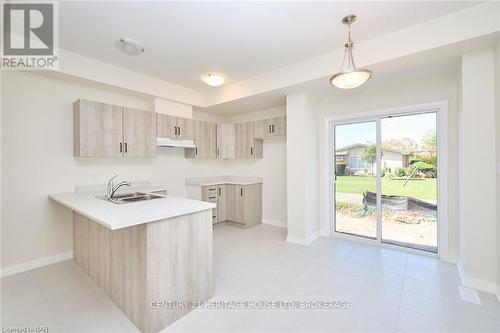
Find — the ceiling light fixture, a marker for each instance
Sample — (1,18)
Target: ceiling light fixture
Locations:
(351,77)
(130,46)
(214,79)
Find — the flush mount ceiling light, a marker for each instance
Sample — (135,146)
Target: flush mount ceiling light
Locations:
(214,79)
(130,46)
(350,77)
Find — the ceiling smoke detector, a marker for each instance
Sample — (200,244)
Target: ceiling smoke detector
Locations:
(130,47)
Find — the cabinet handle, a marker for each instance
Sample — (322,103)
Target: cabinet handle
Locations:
(269,128)
(251,151)
(211,197)
(241,191)
(219,191)
(273,128)
(179,130)
(175,130)
(196,150)
(126,147)
(121,147)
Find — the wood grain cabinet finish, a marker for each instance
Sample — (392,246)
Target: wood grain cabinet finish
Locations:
(237,204)
(226,137)
(247,146)
(105,130)
(137,267)
(174,127)
(272,127)
(139,133)
(222,202)
(97,129)
(204,140)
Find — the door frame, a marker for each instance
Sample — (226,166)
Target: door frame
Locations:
(441,109)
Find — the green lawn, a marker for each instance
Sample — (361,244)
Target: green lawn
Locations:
(416,188)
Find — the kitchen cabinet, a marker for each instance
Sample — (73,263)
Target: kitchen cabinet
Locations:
(272,127)
(240,205)
(172,127)
(204,140)
(222,202)
(139,133)
(226,141)
(245,204)
(105,130)
(247,146)
(209,194)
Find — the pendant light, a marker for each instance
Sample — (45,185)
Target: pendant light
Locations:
(351,77)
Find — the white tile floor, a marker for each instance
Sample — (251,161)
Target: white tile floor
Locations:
(390,291)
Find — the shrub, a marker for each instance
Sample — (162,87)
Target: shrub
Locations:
(340,169)
(401,172)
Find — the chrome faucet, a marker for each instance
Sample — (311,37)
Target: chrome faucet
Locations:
(110,192)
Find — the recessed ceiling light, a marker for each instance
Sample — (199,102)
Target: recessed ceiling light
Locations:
(130,46)
(214,79)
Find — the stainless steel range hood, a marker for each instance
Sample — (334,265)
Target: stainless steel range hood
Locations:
(167,142)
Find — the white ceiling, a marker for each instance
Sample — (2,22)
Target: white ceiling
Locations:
(240,39)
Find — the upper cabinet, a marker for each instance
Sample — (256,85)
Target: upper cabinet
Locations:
(174,127)
(272,127)
(139,133)
(204,140)
(226,141)
(247,146)
(104,130)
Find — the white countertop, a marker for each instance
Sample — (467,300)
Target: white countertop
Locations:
(235,180)
(116,216)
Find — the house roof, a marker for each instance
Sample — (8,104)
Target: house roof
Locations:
(340,151)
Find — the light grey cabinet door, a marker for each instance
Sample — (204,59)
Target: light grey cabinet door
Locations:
(222,202)
(262,129)
(226,141)
(278,126)
(251,212)
(166,126)
(246,145)
(139,133)
(97,129)
(185,128)
(204,140)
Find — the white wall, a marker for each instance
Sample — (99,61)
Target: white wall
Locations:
(411,90)
(37,159)
(497,66)
(302,169)
(477,212)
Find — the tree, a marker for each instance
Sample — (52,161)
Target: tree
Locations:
(369,155)
(404,145)
(429,140)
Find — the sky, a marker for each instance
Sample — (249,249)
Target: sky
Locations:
(414,126)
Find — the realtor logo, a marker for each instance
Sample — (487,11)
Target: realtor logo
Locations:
(30,36)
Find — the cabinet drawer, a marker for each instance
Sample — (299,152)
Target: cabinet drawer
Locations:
(209,193)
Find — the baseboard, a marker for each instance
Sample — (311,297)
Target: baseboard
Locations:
(451,259)
(477,284)
(303,241)
(276,223)
(32,264)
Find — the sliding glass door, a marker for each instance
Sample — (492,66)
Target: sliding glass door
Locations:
(385,184)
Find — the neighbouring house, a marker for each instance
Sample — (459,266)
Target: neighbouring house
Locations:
(351,157)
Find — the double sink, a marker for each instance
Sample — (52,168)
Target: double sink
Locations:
(124,198)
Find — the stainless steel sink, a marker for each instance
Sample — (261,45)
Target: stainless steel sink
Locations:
(124,198)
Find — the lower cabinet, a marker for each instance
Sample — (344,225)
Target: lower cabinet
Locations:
(237,204)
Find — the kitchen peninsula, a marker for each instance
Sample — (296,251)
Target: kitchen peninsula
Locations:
(141,253)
